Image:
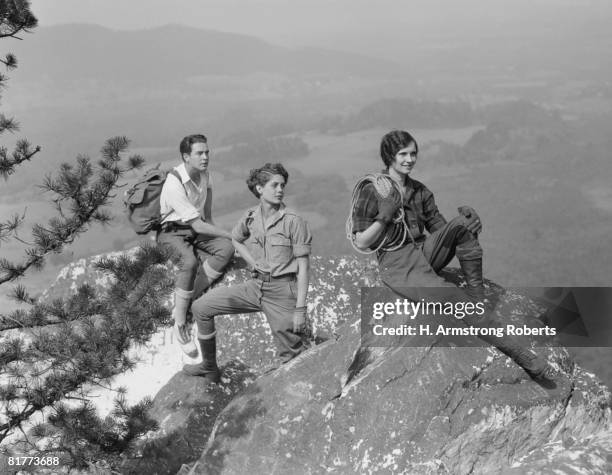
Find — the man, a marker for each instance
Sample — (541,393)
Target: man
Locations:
(391,213)
(276,243)
(187,226)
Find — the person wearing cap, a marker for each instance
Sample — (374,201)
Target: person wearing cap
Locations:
(203,248)
(397,217)
(275,242)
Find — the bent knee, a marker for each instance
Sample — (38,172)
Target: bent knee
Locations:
(189,262)
(224,251)
(226,248)
(459,225)
(202,312)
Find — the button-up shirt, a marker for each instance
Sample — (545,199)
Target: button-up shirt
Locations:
(183,201)
(277,242)
(420,210)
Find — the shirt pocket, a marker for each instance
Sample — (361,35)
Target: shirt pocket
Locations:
(414,220)
(281,250)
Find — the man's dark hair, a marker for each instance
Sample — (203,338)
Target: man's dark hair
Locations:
(393,142)
(261,176)
(187,142)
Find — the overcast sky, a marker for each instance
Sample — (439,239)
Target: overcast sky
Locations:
(344,24)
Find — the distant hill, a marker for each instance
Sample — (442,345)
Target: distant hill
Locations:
(82,52)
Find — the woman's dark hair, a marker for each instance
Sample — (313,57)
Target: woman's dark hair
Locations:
(261,176)
(393,142)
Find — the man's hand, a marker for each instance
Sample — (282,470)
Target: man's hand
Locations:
(388,206)
(299,319)
(472,219)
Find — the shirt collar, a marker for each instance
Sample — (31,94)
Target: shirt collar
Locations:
(409,182)
(182,171)
(275,218)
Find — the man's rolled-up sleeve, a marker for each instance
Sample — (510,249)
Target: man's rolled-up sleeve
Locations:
(301,237)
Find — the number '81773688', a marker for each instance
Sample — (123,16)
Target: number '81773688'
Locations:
(42,461)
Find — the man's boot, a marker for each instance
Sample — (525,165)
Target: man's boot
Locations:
(208,367)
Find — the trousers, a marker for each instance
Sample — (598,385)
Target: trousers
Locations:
(215,252)
(410,270)
(275,298)
(418,266)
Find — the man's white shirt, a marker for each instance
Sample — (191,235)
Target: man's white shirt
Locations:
(183,201)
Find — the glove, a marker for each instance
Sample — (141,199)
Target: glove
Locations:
(472,220)
(299,319)
(387,207)
(260,268)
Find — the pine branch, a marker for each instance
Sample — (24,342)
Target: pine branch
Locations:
(8,124)
(15,17)
(84,198)
(79,307)
(9,228)
(10,350)
(20,294)
(67,355)
(23,152)
(10,61)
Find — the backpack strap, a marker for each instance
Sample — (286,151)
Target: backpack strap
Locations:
(176,175)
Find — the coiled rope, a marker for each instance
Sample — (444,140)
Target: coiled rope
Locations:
(395,236)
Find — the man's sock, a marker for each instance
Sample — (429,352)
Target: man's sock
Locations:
(182,301)
(211,273)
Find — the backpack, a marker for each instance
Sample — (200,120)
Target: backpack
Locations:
(142,201)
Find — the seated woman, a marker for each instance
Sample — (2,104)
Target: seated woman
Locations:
(276,242)
(390,215)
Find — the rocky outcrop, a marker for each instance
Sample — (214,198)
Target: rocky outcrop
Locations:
(342,408)
(185,408)
(333,298)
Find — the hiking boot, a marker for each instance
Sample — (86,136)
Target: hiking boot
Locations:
(208,367)
(472,272)
(536,366)
(183,336)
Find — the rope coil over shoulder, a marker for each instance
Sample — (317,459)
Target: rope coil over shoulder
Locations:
(395,236)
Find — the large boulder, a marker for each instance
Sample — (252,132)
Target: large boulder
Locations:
(343,408)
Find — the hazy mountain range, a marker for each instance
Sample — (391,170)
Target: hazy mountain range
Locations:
(83,52)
